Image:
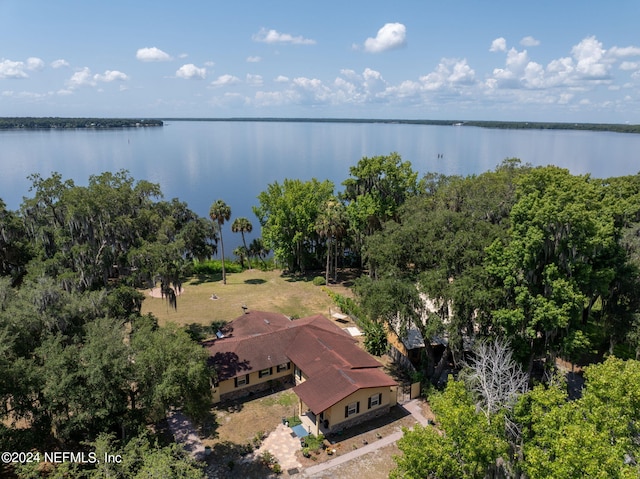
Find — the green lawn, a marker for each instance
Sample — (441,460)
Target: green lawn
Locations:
(258,290)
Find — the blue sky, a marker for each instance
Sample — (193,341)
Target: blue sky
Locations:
(485,60)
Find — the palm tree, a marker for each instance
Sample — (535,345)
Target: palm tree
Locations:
(242,225)
(257,248)
(242,253)
(331,224)
(219,213)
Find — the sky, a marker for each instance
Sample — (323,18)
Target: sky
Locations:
(559,61)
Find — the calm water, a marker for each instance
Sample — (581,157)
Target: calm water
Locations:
(200,162)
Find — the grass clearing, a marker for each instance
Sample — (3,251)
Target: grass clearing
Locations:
(286,399)
(258,290)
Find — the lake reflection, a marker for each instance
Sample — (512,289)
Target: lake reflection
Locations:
(200,162)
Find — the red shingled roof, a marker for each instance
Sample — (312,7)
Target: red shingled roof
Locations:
(322,391)
(335,366)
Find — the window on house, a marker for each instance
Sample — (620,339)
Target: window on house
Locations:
(375,400)
(351,409)
(298,372)
(265,372)
(242,381)
(283,367)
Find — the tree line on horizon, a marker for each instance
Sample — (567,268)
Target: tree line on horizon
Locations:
(36,123)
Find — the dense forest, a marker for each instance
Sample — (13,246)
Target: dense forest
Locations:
(33,123)
(511,270)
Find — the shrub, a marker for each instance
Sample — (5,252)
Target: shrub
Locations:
(314,443)
(319,281)
(375,341)
(211,267)
(294,421)
(268,459)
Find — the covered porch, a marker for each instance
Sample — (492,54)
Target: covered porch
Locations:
(314,423)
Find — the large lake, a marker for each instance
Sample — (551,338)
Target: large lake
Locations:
(200,161)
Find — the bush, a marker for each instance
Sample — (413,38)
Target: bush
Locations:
(347,305)
(319,281)
(268,459)
(314,443)
(211,267)
(375,341)
(294,421)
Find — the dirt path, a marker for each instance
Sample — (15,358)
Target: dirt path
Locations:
(184,433)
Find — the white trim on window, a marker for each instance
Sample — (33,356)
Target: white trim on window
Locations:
(352,409)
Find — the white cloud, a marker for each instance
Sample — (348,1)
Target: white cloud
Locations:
(191,72)
(34,63)
(629,66)
(254,59)
(529,41)
(152,54)
(624,51)
(589,56)
(565,98)
(254,80)
(84,77)
(273,36)
(60,63)
(373,81)
(449,73)
(389,37)
(281,79)
(11,69)
(498,45)
(310,91)
(81,78)
(111,75)
(225,80)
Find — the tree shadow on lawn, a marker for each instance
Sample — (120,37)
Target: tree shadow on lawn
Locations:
(208,426)
(200,332)
(236,405)
(255,281)
(305,277)
(232,460)
(206,278)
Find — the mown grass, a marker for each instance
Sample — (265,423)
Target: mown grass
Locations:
(255,289)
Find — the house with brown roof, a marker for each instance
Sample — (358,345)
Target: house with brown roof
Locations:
(338,384)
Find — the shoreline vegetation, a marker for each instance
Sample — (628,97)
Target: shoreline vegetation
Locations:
(51,123)
(35,123)
(503,125)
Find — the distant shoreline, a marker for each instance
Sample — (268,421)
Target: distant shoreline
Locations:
(35,123)
(55,123)
(503,125)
